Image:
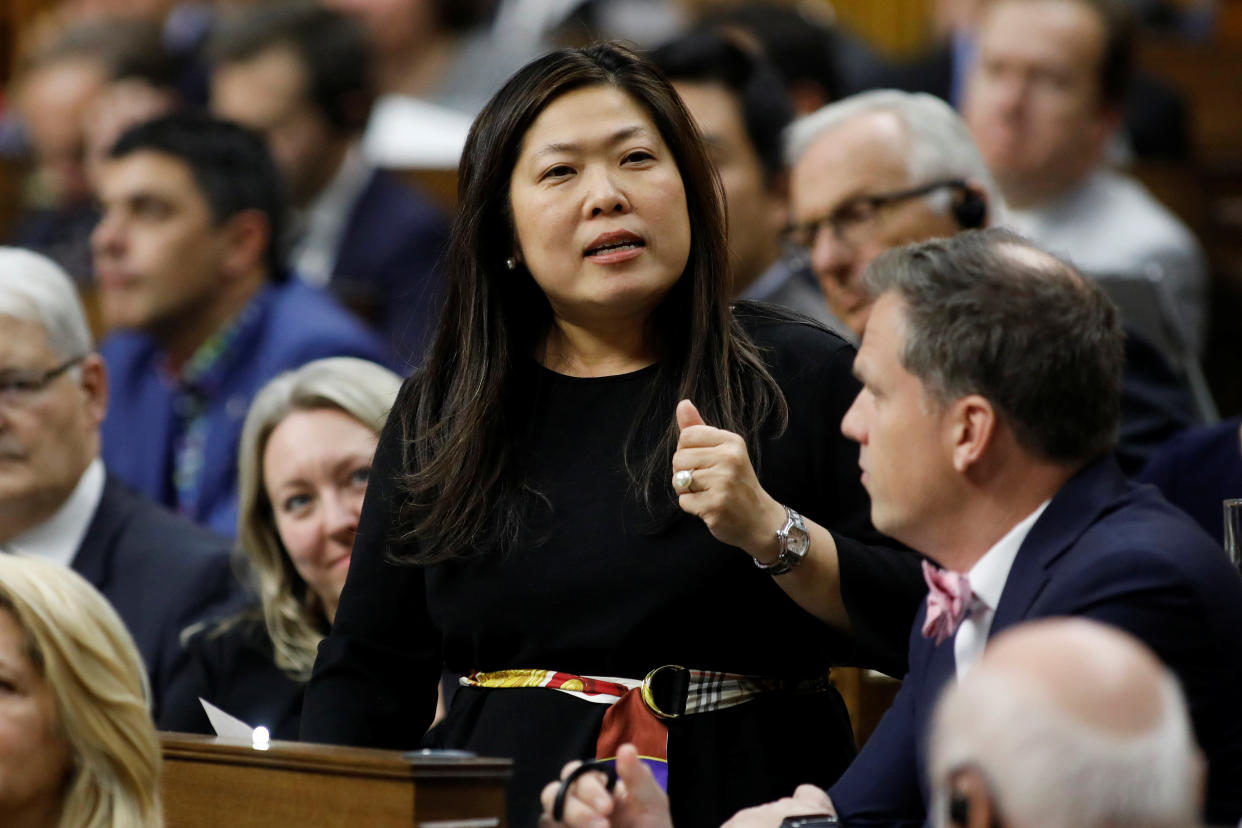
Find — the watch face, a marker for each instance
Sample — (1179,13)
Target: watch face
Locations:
(799,541)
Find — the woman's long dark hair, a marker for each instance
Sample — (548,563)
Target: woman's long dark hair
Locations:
(467,411)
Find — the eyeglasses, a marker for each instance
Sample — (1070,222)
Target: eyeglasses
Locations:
(855,214)
(18,389)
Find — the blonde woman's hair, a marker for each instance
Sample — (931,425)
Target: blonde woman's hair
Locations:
(89,661)
(292,612)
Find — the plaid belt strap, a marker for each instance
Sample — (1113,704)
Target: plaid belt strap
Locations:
(669,691)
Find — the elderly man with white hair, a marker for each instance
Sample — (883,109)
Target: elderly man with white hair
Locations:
(1065,722)
(878,170)
(57,501)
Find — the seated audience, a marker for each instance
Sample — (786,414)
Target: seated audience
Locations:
(1197,470)
(77,746)
(1063,722)
(1044,101)
(298,74)
(991,373)
(740,107)
(189,266)
(1156,122)
(52,94)
(58,500)
(306,452)
(886,168)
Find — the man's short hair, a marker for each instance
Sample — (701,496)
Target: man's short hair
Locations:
(1045,767)
(989,313)
(36,289)
(330,46)
(706,56)
(230,164)
(1117,50)
(940,146)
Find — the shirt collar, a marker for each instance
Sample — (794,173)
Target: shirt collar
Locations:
(988,575)
(332,205)
(210,363)
(58,538)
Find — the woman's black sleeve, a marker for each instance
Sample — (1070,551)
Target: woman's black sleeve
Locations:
(375,679)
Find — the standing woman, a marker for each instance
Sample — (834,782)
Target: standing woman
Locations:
(522,526)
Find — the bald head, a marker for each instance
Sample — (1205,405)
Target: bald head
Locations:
(1072,723)
(1094,675)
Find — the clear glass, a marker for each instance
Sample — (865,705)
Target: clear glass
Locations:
(1233,530)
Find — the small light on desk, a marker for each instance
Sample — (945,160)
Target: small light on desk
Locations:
(261,739)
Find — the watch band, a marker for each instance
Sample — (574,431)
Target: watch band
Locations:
(794,541)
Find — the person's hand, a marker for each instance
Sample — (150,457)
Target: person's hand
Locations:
(807,800)
(723,489)
(638,801)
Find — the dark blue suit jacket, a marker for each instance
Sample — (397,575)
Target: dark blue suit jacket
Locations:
(293,324)
(1105,549)
(160,572)
(388,264)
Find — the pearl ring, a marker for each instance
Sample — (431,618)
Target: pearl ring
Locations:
(683,481)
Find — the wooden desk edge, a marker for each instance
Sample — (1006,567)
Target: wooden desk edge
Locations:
(331,759)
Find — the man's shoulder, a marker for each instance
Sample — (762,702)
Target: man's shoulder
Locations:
(1126,203)
(1137,539)
(149,535)
(306,323)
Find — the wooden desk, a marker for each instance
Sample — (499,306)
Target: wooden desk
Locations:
(209,783)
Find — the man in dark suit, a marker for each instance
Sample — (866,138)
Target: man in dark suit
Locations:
(298,74)
(57,501)
(991,376)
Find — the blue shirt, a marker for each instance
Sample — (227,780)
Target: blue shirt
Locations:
(155,418)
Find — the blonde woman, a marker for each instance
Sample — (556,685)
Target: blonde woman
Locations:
(305,456)
(77,745)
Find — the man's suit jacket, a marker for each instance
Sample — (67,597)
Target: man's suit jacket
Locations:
(1105,549)
(389,261)
(292,324)
(160,572)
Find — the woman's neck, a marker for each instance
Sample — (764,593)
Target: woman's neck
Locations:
(579,351)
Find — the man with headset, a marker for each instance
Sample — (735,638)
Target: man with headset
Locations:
(878,170)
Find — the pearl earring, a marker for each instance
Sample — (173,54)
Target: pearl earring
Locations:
(511,263)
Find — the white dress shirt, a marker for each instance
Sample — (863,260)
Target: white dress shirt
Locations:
(58,538)
(323,223)
(987,580)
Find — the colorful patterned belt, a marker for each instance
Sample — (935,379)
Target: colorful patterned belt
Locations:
(639,709)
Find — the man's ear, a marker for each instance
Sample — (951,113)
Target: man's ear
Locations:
(247,235)
(973,426)
(970,801)
(95,387)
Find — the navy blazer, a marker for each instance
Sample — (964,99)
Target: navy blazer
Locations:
(1106,549)
(160,572)
(387,266)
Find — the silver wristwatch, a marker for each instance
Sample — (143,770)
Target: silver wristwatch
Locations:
(794,545)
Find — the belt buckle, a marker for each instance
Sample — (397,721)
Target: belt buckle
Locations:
(648,694)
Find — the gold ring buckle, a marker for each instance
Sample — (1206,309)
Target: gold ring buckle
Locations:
(649,697)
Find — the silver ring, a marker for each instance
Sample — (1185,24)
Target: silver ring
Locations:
(683,481)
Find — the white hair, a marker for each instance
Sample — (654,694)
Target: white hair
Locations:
(36,289)
(940,146)
(1046,767)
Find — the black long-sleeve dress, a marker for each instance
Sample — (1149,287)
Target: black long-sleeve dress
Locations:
(599,597)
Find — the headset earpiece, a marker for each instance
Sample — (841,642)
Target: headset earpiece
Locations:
(970,209)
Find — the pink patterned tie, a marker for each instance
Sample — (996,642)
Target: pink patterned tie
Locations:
(949,599)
